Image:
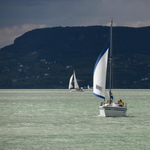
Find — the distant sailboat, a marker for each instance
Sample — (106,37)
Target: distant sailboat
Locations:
(109,109)
(88,87)
(76,85)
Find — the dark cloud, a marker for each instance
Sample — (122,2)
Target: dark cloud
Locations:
(48,13)
(73,12)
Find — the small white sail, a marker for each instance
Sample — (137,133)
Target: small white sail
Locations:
(70,82)
(99,76)
(76,86)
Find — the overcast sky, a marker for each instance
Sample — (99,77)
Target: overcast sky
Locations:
(20,16)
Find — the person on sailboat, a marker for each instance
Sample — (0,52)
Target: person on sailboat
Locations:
(110,95)
(120,102)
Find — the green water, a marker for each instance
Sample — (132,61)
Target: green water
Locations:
(63,120)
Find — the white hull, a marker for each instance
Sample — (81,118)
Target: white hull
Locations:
(111,111)
(76,90)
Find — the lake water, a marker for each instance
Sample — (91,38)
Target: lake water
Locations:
(63,120)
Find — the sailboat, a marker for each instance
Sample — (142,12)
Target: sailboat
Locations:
(76,85)
(109,108)
(88,87)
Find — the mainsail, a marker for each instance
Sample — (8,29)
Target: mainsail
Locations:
(99,75)
(76,86)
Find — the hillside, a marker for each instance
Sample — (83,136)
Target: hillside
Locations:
(46,58)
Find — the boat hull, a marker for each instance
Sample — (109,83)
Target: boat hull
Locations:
(76,90)
(109,111)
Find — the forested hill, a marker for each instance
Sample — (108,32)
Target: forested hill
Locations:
(46,58)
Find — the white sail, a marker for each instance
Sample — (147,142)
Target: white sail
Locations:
(76,86)
(99,76)
(70,82)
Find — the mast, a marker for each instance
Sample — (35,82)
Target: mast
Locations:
(110,57)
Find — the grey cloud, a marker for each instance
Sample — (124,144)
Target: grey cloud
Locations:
(16,13)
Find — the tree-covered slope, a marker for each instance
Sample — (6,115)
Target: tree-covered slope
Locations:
(46,58)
